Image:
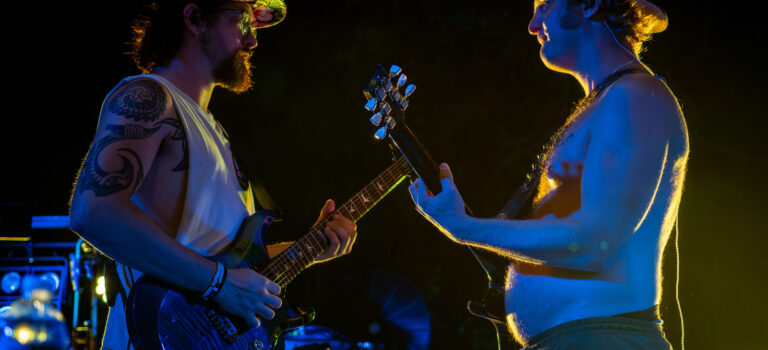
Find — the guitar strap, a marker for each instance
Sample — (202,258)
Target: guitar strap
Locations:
(521,202)
(521,198)
(263,199)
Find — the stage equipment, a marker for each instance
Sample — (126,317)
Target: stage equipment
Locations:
(33,322)
(373,310)
(37,246)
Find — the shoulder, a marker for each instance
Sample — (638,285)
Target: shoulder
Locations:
(140,99)
(639,105)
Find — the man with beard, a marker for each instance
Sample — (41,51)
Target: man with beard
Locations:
(160,189)
(585,265)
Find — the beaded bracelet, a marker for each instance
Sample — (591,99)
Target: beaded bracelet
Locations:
(216,283)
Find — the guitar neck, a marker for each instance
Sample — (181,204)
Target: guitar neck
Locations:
(283,268)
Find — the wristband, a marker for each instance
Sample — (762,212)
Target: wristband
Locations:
(216,282)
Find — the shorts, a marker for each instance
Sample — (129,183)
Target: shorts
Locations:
(602,333)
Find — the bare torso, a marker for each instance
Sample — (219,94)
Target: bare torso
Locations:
(539,297)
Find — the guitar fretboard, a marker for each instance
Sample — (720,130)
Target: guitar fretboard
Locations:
(287,265)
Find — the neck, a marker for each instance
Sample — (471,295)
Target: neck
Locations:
(192,76)
(599,59)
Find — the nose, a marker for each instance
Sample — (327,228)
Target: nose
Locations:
(534,26)
(250,40)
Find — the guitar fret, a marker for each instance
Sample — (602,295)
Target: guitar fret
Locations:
(287,265)
(345,212)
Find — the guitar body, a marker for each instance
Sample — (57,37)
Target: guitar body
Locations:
(161,316)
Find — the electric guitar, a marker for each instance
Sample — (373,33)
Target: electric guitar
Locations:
(161,316)
(388,104)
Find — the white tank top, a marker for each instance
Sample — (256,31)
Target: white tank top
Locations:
(215,203)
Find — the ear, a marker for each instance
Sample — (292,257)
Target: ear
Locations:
(592,7)
(192,19)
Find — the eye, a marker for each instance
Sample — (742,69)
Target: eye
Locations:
(542,5)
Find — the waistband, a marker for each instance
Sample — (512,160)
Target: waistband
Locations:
(641,322)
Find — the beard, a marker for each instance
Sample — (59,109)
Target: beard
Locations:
(234,72)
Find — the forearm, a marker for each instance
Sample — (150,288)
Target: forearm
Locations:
(565,243)
(123,232)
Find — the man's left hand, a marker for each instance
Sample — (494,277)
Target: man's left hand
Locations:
(443,209)
(340,232)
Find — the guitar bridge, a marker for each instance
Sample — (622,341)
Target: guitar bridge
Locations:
(223,326)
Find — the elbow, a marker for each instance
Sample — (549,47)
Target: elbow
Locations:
(78,221)
(82,215)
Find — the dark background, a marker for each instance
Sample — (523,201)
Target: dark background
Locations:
(484,103)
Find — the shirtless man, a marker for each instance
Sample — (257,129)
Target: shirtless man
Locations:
(159,189)
(585,267)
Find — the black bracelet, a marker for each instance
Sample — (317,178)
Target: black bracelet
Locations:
(218,286)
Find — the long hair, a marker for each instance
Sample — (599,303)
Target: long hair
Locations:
(158,31)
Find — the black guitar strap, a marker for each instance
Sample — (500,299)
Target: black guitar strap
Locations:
(263,199)
(521,201)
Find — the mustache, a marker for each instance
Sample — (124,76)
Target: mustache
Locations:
(247,53)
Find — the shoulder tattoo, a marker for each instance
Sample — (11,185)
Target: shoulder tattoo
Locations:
(130,174)
(141,100)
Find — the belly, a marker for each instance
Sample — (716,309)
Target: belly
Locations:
(538,298)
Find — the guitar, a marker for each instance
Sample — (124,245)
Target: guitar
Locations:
(388,104)
(161,316)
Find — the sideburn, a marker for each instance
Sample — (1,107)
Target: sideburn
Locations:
(570,20)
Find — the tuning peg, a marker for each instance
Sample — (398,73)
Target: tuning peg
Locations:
(371,105)
(402,80)
(376,119)
(381,133)
(394,70)
(410,89)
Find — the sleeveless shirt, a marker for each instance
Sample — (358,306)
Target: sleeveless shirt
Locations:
(215,204)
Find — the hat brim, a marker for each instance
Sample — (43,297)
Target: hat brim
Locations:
(268,13)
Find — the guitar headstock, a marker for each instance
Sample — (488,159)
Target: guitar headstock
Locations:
(387,98)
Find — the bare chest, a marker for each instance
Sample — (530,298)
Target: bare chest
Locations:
(559,190)
(566,159)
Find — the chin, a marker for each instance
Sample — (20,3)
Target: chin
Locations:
(234,74)
(553,61)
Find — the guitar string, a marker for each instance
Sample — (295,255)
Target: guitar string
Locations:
(388,178)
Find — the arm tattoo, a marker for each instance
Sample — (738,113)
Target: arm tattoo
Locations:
(141,100)
(178,135)
(103,183)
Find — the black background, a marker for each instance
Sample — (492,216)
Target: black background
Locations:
(484,103)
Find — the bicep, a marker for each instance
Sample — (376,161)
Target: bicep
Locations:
(132,126)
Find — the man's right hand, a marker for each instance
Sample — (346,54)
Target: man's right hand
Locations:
(246,293)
